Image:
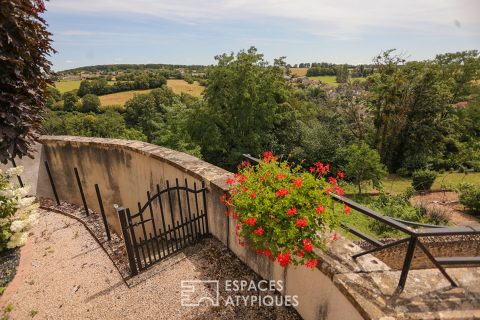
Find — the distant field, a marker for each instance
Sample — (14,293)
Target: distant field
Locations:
(331,80)
(300,72)
(120,98)
(64,86)
(179,86)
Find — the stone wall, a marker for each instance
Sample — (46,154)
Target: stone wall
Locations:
(125,170)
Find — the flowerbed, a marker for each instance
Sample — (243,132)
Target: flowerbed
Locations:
(283,211)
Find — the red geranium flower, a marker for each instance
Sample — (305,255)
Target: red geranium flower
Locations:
(258,231)
(312,169)
(239,226)
(311,263)
(338,190)
(223,198)
(280,176)
(328,190)
(284,259)
(332,180)
(252,195)
(320,209)
(267,253)
(251,221)
(282,192)
(307,245)
(230,181)
(268,156)
(300,254)
(234,215)
(297,183)
(340,175)
(301,223)
(240,242)
(346,208)
(335,237)
(242,178)
(291,212)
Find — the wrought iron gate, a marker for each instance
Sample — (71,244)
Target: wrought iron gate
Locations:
(170,220)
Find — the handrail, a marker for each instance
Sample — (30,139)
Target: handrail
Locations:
(412,239)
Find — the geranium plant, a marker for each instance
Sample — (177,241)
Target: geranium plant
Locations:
(283,211)
(17,212)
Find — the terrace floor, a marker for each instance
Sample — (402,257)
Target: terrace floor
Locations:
(65,274)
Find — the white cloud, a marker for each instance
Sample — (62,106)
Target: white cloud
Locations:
(342,19)
(68,61)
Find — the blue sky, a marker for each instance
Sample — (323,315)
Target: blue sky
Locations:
(89,32)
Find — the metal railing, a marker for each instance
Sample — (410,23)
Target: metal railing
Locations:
(412,239)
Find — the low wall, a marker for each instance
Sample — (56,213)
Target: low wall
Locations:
(125,170)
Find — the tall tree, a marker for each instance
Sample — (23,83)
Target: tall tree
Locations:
(242,97)
(25,45)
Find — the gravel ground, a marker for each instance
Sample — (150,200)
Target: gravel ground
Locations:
(71,277)
(448,202)
(8,263)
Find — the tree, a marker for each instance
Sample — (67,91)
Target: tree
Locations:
(90,103)
(141,114)
(70,101)
(343,74)
(242,97)
(25,45)
(85,88)
(110,124)
(363,164)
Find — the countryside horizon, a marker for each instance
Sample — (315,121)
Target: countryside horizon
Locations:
(190,33)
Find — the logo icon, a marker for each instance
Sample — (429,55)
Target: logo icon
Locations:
(196,292)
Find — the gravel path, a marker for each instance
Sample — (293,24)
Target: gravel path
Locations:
(71,277)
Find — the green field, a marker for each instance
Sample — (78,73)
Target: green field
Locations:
(331,80)
(395,184)
(64,86)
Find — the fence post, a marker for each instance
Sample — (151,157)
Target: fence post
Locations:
(406,264)
(204,195)
(126,238)
(102,211)
(81,192)
(52,183)
(18,177)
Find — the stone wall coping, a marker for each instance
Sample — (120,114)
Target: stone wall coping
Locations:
(194,166)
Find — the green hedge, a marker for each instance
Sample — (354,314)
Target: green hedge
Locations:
(423,179)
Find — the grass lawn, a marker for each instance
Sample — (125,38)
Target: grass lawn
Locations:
(120,98)
(179,86)
(64,86)
(331,80)
(395,184)
(299,72)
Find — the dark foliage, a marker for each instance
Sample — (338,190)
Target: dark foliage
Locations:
(24,47)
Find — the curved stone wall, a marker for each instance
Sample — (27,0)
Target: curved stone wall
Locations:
(125,170)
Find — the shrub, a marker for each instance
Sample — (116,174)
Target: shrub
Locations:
(399,206)
(280,209)
(363,164)
(470,196)
(90,103)
(423,179)
(17,212)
